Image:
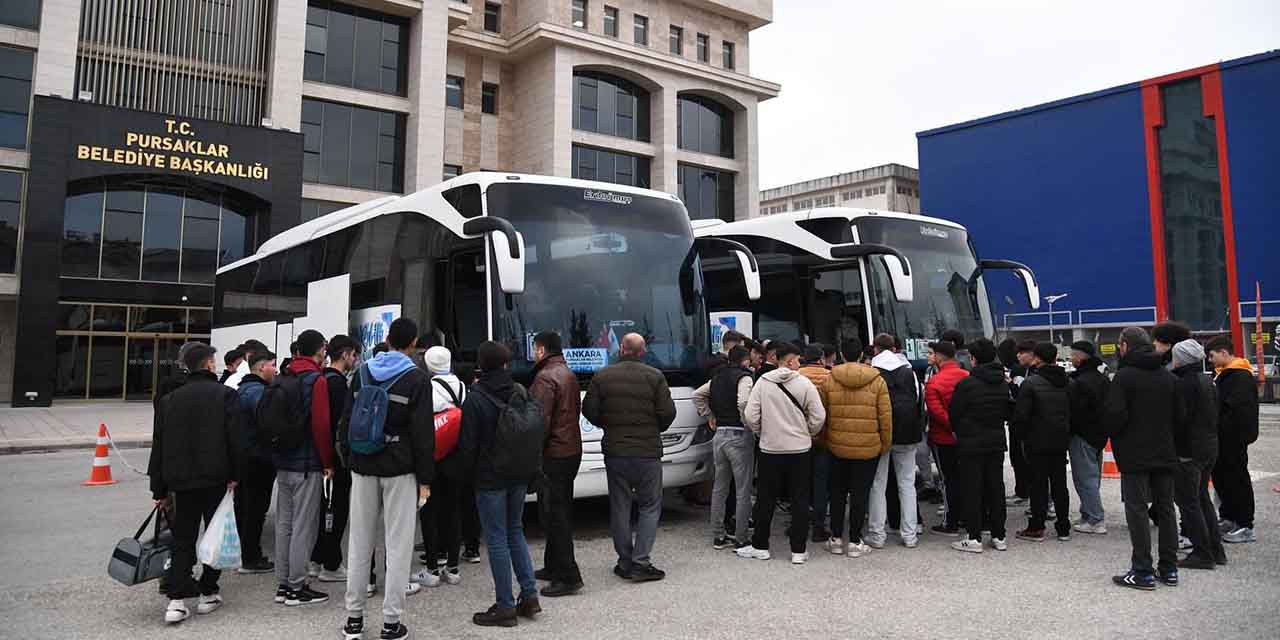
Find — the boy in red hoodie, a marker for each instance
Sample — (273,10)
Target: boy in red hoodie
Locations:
(937,398)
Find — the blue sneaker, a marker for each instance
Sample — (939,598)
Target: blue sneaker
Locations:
(1135,581)
(1169,579)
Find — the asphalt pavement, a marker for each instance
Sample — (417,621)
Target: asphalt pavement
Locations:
(56,536)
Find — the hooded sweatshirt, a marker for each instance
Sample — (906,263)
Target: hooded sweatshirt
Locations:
(241,371)
(409,426)
(1042,416)
(1142,408)
(904,396)
(782,427)
(979,409)
(1196,437)
(317,453)
(859,413)
(1238,397)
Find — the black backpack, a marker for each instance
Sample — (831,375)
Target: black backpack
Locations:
(283,413)
(908,419)
(518,439)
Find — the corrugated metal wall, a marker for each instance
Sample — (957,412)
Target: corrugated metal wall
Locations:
(194,58)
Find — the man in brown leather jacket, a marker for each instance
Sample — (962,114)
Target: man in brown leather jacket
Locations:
(556,388)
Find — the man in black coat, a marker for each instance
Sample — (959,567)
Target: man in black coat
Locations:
(1042,419)
(194,461)
(1237,429)
(1142,406)
(1088,435)
(1196,441)
(979,409)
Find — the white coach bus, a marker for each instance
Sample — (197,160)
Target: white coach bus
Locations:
(833,273)
(496,256)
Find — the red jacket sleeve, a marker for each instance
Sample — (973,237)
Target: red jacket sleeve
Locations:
(320,421)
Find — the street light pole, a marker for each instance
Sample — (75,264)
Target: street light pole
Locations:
(1052,299)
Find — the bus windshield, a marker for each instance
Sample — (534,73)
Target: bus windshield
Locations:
(942,263)
(599,265)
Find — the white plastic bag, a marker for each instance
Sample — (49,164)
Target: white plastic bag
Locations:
(219,547)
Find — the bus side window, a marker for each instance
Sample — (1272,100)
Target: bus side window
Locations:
(469,307)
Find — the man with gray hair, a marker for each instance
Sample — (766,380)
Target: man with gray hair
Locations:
(630,401)
(1142,407)
(1196,442)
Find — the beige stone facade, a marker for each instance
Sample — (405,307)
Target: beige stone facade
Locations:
(889,187)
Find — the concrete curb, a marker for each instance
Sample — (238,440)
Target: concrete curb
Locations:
(42,446)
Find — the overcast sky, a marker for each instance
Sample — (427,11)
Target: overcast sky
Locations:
(859,79)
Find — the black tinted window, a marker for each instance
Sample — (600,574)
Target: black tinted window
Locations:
(610,105)
(356,47)
(352,146)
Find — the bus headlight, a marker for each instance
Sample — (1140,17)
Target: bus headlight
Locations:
(703,434)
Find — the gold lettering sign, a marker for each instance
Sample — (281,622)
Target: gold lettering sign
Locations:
(179,149)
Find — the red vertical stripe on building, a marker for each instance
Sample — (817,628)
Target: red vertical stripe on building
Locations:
(1211,96)
(1152,119)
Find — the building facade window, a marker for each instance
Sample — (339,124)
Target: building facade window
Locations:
(824,201)
(704,47)
(610,105)
(676,44)
(610,166)
(493,17)
(707,193)
(10,219)
(704,126)
(352,146)
(122,229)
(21,13)
(611,21)
(580,14)
(15,96)
(356,47)
(642,30)
(489,98)
(728,56)
(312,209)
(452,171)
(453,86)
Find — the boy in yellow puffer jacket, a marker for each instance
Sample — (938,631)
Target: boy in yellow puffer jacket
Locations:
(859,429)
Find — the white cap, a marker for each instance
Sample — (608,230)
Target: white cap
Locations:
(439,360)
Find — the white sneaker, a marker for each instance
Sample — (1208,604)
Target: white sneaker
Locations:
(942,510)
(1240,535)
(752,552)
(337,575)
(835,546)
(911,544)
(857,549)
(968,544)
(426,578)
(799,558)
(313,569)
(451,575)
(875,544)
(176,612)
(999,544)
(412,589)
(1085,527)
(371,590)
(208,604)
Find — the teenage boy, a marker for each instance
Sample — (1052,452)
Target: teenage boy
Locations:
(1088,435)
(1196,441)
(1237,429)
(937,397)
(979,409)
(1042,418)
(908,431)
(327,554)
(440,516)
(723,400)
(258,474)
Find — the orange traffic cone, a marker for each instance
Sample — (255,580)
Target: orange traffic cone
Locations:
(101,473)
(1109,468)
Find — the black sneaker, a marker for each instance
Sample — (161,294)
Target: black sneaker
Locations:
(543,574)
(495,617)
(1220,555)
(282,594)
(471,554)
(353,629)
(528,607)
(943,529)
(1197,561)
(1135,581)
(395,631)
(820,534)
(557,589)
(622,573)
(261,565)
(647,573)
(723,542)
(1169,578)
(304,596)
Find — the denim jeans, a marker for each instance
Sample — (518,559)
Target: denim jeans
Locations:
(904,469)
(734,455)
(1086,473)
(501,520)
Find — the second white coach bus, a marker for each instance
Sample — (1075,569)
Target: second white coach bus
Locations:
(495,256)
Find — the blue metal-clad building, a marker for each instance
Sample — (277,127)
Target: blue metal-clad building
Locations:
(1152,200)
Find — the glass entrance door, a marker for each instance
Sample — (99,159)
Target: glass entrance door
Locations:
(141,368)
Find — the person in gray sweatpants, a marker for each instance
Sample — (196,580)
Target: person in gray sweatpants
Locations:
(392,482)
(297,526)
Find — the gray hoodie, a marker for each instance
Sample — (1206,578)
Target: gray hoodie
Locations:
(770,413)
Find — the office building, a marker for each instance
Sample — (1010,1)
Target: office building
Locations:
(888,187)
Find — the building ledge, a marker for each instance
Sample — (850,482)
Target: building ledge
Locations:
(753,13)
(8,285)
(459,13)
(709,161)
(357,97)
(19,37)
(614,143)
(15,159)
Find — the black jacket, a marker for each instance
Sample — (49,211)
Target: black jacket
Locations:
(411,426)
(1142,407)
(1238,398)
(979,408)
(1042,415)
(631,402)
(908,412)
(195,443)
(1196,436)
(339,398)
(479,427)
(1089,403)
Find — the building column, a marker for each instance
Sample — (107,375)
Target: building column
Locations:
(664,114)
(424,139)
(746,200)
(55,72)
(288,51)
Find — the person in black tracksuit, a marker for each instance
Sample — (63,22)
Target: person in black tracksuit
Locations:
(1042,418)
(328,548)
(1196,441)
(979,409)
(1015,356)
(1237,429)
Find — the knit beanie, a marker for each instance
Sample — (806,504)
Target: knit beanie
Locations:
(438,360)
(1187,352)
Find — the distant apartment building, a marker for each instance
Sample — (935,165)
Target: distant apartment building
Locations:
(888,187)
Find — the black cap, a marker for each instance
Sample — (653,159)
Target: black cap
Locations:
(944,347)
(1085,347)
(1046,351)
(813,353)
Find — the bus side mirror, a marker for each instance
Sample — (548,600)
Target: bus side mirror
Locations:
(903,286)
(508,249)
(1024,273)
(895,263)
(746,261)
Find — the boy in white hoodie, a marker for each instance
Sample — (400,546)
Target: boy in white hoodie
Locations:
(439,517)
(786,412)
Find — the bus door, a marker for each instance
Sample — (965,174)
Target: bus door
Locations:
(836,307)
(465,306)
